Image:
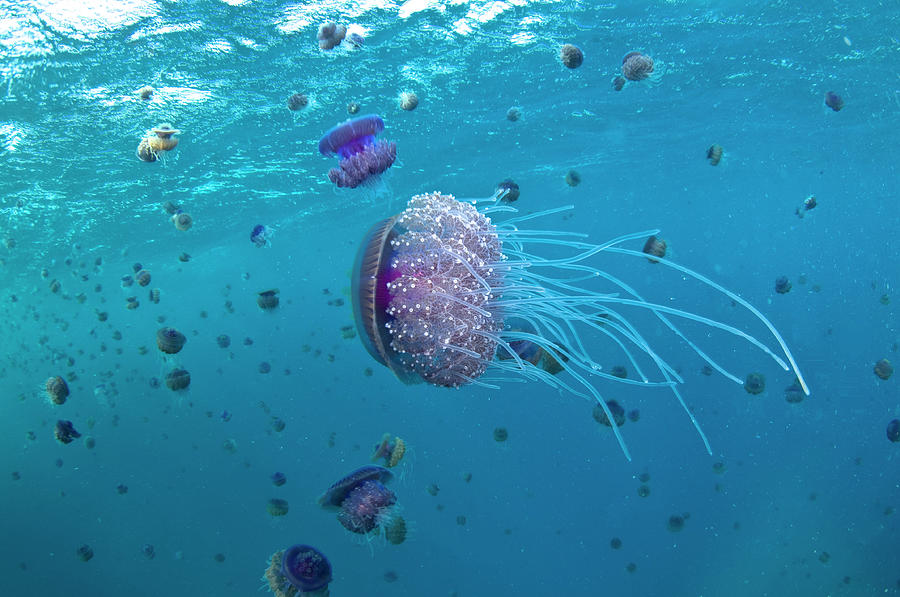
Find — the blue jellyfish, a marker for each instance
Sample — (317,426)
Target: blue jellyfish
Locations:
(299,570)
(362,156)
(261,236)
(361,498)
(442,294)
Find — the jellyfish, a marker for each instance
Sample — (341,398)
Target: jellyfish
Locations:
(636,66)
(573,178)
(142,277)
(159,140)
(170,340)
(391,450)
(299,570)
(183,221)
(655,246)
(618,413)
(433,287)
(409,101)
(809,203)
(782,285)
(755,383)
(513,114)
(279,479)
(297,102)
(277,507)
(834,101)
(619,83)
(714,154)
(330,35)
(65,432)
(353,108)
(363,501)
(508,190)
(57,390)
(883,369)
(893,431)
(361,155)
(267,299)
(571,56)
(178,379)
(261,235)
(146,92)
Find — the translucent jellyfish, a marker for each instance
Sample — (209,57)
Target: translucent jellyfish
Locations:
(409,101)
(330,35)
(169,340)
(714,154)
(178,379)
(57,390)
(261,236)
(782,285)
(434,286)
(362,157)
(893,431)
(65,432)
(297,101)
(834,101)
(268,299)
(390,449)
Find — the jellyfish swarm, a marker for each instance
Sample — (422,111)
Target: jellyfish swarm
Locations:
(362,156)
(439,291)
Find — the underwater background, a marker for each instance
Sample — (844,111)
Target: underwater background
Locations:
(796,499)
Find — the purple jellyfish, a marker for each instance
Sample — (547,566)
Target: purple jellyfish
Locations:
(299,570)
(362,498)
(442,294)
(306,568)
(362,156)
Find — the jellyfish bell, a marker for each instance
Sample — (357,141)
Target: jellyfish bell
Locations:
(268,300)
(434,286)
(163,138)
(183,221)
(261,236)
(636,66)
(362,156)
(335,495)
(571,56)
(298,570)
(330,35)
(57,390)
(714,154)
(169,340)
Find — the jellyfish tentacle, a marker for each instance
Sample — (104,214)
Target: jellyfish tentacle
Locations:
(737,299)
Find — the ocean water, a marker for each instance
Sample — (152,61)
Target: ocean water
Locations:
(795,499)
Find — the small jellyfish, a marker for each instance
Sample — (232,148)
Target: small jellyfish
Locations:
(149,551)
(261,235)
(353,108)
(183,221)
(84,552)
(184,258)
(615,408)
(501,434)
(513,114)
(330,35)
(676,523)
(278,424)
(219,557)
(136,267)
(615,543)
(164,139)
(224,341)
(121,489)
(619,371)
(170,340)
(655,246)
(268,299)
(170,208)
(409,101)
(634,415)
(391,450)
(834,101)
(755,383)
(618,83)
(178,379)
(277,507)
(278,479)
(510,190)
(362,157)
(65,432)
(893,431)
(714,154)
(395,530)
(571,56)
(794,393)
(782,285)
(57,390)
(809,203)
(154,295)
(883,369)
(636,66)
(146,92)
(356,40)
(142,277)
(573,178)
(297,102)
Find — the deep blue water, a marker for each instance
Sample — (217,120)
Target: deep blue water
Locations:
(800,480)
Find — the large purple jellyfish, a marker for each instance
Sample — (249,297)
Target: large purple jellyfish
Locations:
(362,156)
(363,500)
(442,294)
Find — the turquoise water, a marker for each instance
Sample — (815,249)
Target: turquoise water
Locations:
(800,480)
